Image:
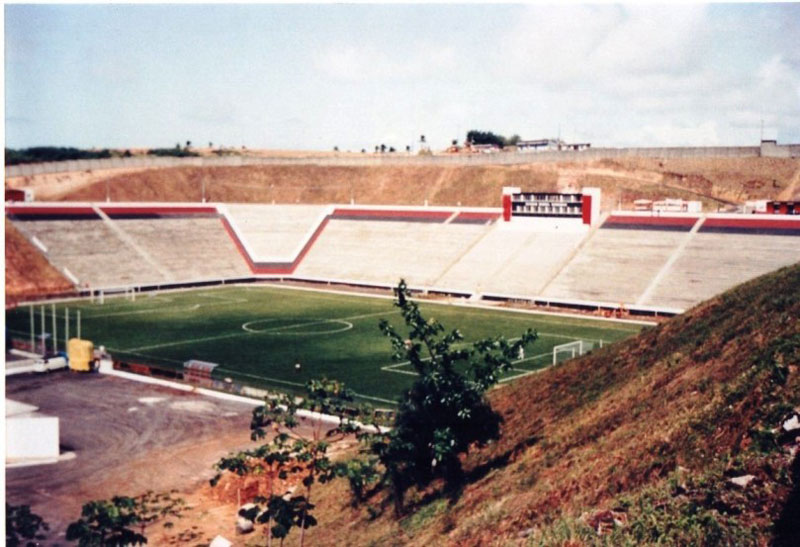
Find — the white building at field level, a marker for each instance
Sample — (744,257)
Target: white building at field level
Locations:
(30,437)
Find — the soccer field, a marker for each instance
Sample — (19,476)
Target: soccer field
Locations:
(257,333)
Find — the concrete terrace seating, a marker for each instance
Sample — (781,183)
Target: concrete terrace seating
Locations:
(385,251)
(493,249)
(188,248)
(712,263)
(274,232)
(615,266)
(540,257)
(510,260)
(91,251)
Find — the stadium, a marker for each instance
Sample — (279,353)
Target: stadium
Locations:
(242,300)
(402,275)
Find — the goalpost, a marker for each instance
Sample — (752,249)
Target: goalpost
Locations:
(570,350)
(97,296)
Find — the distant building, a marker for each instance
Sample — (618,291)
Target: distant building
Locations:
(19,194)
(540,145)
(755,206)
(485,148)
(668,205)
(783,208)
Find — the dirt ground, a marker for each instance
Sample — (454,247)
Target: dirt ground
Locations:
(128,438)
(23,260)
(54,186)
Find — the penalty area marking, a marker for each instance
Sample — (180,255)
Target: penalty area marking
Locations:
(396,367)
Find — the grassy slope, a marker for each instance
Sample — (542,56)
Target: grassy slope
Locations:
(27,270)
(651,427)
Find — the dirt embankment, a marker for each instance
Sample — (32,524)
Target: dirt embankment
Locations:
(55,186)
(715,181)
(28,273)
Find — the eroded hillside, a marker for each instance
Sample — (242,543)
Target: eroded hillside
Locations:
(28,273)
(715,181)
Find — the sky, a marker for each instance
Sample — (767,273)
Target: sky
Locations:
(354,76)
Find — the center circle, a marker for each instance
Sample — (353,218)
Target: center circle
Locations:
(309,326)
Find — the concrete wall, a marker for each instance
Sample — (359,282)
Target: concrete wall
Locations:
(771,150)
(31,437)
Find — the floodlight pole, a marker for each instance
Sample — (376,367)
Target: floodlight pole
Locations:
(66,326)
(79,323)
(33,329)
(41,315)
(55,337)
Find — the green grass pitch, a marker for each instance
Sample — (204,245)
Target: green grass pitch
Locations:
(257,333)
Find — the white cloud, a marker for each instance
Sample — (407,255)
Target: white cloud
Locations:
(365,63)
(666,75)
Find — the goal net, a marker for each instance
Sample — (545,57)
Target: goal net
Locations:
(570,350)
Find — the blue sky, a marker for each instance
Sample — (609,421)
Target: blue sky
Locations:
(353,76)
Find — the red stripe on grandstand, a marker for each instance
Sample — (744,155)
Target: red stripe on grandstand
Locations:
(50,211)
(171,210)
(367,213)
(237,242)
(477,216)
(652,221)
(311,241)
(752,223)
(290,266)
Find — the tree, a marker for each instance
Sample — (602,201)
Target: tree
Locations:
(114,522)
(359,473)
(445,411)
(107,523)
(485,137)
(22,525)
(295,452)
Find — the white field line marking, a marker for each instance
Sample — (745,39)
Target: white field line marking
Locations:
(526,373)
(246,333)
(281,330)
(297,384)
(168,309)
(394,367)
